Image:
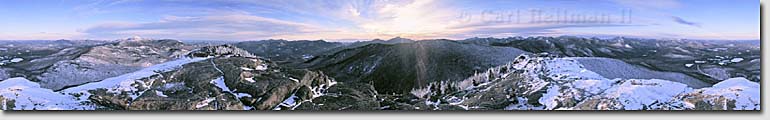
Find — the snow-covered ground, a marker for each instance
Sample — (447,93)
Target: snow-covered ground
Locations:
(290,102)
(220,83)
(745,93)
(568,85)
(14,60)
(570,80)
(205,103)
(27,95)
(613,68)
(124,82)
(17,59)
(636,94)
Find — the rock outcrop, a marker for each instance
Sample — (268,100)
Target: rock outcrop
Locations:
(226,50)
(344,96)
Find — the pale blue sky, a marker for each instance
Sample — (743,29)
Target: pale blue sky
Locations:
(370,19)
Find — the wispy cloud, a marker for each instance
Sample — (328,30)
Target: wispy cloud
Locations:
(96,7)
(230,26)
(650,4)
(685,22)
(40,36)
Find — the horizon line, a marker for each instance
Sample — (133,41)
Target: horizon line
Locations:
(371,39)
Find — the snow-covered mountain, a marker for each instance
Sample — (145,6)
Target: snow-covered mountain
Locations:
(100,62)
(210,78)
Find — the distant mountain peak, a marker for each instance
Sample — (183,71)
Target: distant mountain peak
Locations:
(136,38)
(399,40)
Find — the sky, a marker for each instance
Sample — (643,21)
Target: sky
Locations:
(376,19)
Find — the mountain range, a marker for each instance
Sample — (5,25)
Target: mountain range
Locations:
(515,73)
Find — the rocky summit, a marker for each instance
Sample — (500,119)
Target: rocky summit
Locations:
(536,73)
(537,82)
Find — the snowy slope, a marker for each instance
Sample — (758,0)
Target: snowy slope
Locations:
(641,94)
(126,82)
(613,68)
(565,84)
(742,93)
(571,81)
(27,95)
(23,94)
(745,92)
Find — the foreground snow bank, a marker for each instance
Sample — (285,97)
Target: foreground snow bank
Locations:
(572,84)
(22,94)
(731,94)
